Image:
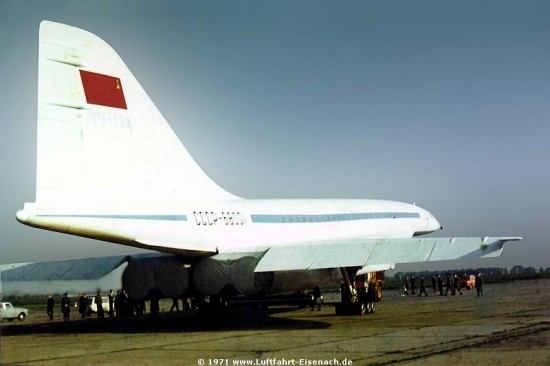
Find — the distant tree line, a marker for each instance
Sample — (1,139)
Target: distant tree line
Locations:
(490,274)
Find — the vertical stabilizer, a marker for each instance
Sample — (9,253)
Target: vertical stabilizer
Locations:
(101,140)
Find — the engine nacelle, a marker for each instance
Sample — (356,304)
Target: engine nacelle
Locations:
(211,275)
(166,274)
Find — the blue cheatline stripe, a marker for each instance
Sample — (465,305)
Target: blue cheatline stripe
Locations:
(126,217)
(279,219)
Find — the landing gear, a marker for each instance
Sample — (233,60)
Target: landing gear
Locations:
(370,307)
(358,297)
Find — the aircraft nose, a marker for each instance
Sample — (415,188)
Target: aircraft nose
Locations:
(433,224)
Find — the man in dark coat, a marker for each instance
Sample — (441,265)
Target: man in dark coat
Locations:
(111,304)
(422,287)
(440,285)
(479,285)
(51,304)
(83,305)
(456,285)
(99,305)
(449,284)
(66,307)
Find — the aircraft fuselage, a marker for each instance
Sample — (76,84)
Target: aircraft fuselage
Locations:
(242,224)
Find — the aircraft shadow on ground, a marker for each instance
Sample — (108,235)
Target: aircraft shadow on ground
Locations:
(167,323)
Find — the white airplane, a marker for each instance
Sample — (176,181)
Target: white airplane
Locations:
(109,167)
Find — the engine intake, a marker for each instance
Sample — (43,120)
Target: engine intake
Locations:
(211,275)
(166,274)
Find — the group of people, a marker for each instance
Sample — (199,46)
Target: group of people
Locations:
(65,307)
(452,285)
(119,305)
(409,286)
(189,303)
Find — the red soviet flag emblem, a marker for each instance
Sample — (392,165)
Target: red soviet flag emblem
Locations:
(103,89)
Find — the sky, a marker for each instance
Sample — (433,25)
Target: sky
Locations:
(444,104)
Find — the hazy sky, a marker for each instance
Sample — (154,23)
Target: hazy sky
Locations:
(446,104)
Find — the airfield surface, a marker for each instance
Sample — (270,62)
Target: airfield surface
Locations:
(510,325)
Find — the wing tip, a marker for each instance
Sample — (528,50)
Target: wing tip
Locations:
(502,239)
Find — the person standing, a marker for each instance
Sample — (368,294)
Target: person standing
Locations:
(449,284)
(49,309)
(479,285)
(440,285)
(111,304)
(434,283)
(83,305)
(99,305)
(66,307)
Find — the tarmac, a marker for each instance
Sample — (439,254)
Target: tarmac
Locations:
(510,325)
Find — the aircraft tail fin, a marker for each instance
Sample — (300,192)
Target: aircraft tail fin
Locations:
(101,140)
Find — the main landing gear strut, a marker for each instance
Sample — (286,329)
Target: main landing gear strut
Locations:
(358,297)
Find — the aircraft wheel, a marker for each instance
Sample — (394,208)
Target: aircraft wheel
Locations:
(379,291)
(361,308)
(370,307)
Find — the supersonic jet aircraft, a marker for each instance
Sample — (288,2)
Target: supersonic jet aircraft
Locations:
(109,167)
